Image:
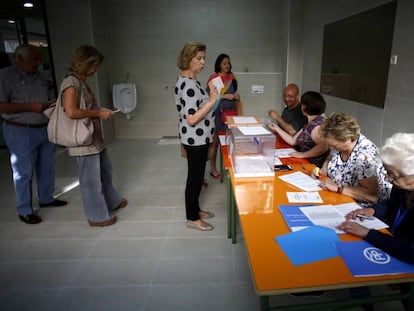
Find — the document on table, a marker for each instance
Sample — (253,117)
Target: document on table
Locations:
(252,167)
(304,197)
(253,130)
(244,120)
(331,216)
(373,223)
(284,152)
(302,181)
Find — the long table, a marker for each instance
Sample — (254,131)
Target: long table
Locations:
(255,201)
(273,274)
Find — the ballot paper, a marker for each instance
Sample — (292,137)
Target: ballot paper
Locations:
(284,152)
(302,181)
(218,83)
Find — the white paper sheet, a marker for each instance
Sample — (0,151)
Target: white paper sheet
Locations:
(331,216)
(218,83)
(244,120)
(284,152)
(304,197)
(222,139)
(253,130)
(302,181)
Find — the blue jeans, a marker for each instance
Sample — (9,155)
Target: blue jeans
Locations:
(95,180)
(30,153)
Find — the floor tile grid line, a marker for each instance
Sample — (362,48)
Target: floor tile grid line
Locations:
(154,277)
(75,273)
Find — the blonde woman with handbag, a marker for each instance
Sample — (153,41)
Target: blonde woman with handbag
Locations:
(99,197)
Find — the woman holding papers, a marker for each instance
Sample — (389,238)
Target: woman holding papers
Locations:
(99,197)
(228,100)
(196,127)
(353,166)
(398,157)
(308,140)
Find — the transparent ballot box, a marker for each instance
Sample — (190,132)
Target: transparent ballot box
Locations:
(252,151)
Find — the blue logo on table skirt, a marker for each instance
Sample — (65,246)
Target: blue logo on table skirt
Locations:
(376,255)
(256,140)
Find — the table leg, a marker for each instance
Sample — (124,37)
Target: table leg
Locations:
(229,207)
(233,211)
(409,289)
(264,303)
(221,165)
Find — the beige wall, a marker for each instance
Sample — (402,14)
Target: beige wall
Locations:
(271,43)
(141,41)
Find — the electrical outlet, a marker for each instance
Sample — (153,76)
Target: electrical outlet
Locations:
(257,89)
(393,60)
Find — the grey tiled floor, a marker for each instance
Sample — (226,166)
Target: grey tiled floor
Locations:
(147,261)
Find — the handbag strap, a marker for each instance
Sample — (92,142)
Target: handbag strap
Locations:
(78,84)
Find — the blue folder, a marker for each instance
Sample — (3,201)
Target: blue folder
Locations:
(300,246)
(363,259)
(294,217)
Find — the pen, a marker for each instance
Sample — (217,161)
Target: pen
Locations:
(365,217)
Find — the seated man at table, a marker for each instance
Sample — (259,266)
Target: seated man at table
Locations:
(292,118)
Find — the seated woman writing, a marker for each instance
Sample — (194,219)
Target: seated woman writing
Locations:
(308,140)
(398,157)
(353,166)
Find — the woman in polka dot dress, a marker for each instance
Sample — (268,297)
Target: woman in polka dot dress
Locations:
(196,128)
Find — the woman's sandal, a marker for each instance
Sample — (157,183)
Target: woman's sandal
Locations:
(217,176)
(206,214)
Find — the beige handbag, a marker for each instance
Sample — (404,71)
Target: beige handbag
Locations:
(65,131)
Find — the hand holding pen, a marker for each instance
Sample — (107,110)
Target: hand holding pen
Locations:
(361,214)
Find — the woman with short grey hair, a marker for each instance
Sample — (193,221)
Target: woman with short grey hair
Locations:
(398,157)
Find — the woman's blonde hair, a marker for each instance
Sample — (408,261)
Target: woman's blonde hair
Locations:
(83,58)
(188,52)
(398,151)
(340,127)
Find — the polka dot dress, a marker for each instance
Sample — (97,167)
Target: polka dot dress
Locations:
(189,97)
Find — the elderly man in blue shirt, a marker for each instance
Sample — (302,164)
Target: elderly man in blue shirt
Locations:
(24,94)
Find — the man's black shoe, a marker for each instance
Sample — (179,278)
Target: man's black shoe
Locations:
(30,219)
(55,202)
